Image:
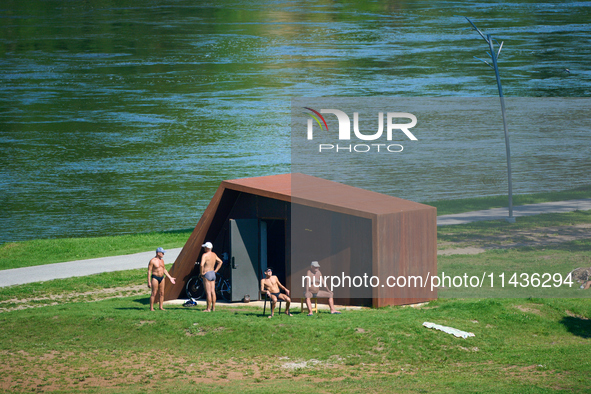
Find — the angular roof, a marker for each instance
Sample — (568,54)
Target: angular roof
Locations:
(320,193)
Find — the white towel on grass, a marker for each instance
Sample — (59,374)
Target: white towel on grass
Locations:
(449,330)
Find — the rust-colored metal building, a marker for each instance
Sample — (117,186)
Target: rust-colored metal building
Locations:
(286,221)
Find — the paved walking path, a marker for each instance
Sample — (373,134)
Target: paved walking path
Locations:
(47,272)
(521,210)
(42,273)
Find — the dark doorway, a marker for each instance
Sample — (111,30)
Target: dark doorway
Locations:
(275,248)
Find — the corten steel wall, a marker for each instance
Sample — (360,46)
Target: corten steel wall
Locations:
(403,233)
(405,245)
(185,262)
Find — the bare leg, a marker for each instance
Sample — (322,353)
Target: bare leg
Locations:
(587,285)
(287,303)
(332,308)
(213,296)
(161,290)
(273,303)
(207,295)
(309,305)
(331,305)
(153,295)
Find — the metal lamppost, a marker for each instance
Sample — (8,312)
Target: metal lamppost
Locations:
(494,56)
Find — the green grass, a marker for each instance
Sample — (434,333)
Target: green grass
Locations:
(63,342)
(503,264)
(48,251)
(447,207)
(536,257)
(43,293)
(117,345)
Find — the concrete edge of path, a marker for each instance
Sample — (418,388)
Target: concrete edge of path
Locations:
(295,304)
(518,211)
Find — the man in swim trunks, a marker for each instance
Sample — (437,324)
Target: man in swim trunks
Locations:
(210,264)
(271,285)
(313,289)
(156,273)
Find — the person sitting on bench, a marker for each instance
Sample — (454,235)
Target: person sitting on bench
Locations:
(271,285)
(312,291)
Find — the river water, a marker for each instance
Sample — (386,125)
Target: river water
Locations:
(121,117)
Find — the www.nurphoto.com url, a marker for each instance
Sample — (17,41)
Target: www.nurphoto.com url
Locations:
(488,279)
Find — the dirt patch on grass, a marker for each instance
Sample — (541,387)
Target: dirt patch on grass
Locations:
(293,365)
(200,331)
(56,299)
(157,371)
(530,373)
(571,314)
(532,308)
(467,250)
(542,236)
(24,372)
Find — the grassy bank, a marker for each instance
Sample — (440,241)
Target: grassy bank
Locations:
(517,273)
(81,288)
(117,345)
(48,251)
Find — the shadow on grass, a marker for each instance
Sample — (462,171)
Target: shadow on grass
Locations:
(250,312)
(143,301)
(582,245)
(225,311)
(580,327)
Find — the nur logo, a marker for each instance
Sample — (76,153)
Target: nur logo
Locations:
(345,130)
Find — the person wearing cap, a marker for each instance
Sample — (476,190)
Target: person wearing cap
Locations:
(271,286)
(210,265)
(156,273)
(314,289)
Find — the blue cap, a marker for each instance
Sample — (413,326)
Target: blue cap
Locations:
(160,250)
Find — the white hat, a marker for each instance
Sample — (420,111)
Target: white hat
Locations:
(208,245)
(315,264)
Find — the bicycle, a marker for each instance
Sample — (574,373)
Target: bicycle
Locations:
(196,290)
